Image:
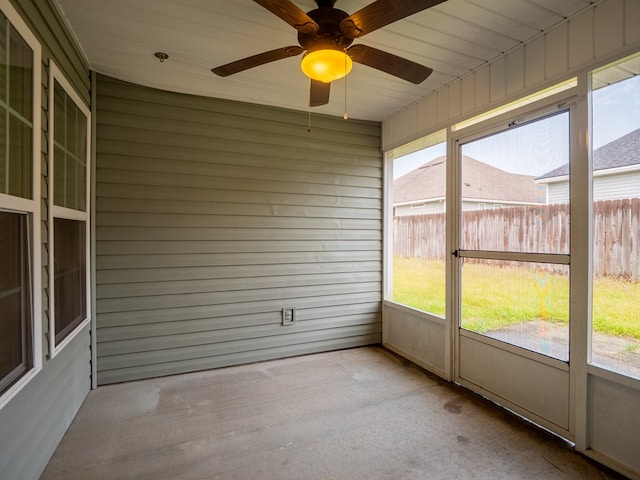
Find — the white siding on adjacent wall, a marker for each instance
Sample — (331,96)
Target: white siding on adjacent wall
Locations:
(618,185)
(589,37)
(557,192)
(605,187)
(214,215)
(419,208)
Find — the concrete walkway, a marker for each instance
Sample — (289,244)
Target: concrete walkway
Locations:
(621,354)
(353,414)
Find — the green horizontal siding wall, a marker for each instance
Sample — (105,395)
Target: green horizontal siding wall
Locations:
(214,215)
(57,43)
(34,421)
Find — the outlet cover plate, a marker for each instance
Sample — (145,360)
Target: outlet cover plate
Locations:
(288,316)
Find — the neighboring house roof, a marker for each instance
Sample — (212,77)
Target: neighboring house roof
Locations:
(622,152)
(481,182)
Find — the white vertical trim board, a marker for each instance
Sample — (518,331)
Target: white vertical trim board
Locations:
(92,230)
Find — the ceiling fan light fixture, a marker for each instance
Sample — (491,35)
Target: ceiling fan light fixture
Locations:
(326,65)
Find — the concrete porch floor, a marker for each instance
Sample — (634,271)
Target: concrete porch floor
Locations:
(352,414)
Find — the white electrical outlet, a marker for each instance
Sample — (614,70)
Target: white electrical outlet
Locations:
(288,316)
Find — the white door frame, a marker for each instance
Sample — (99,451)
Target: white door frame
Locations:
(508,374)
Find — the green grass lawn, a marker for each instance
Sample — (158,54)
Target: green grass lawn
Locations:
(419,284)
(494,297)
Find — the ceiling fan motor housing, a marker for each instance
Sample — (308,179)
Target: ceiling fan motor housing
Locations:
(329,35)
(325,36)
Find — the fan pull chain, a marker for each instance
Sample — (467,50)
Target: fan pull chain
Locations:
(309,124)
(345,116)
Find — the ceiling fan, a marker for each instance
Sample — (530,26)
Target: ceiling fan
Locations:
(325,36)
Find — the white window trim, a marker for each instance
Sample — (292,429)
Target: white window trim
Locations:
(30,207)
(56,75)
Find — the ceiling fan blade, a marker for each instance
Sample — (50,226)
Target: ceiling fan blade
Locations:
(319,93)
(290,13)
(387,62)
(381,13)
(256,60)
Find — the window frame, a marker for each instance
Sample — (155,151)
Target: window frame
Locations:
(612,370)
(532,113)
(55,211)
(434,139)
(29,207)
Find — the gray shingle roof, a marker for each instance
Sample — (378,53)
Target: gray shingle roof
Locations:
(481,181)
(622,152)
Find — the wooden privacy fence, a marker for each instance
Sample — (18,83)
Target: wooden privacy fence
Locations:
(616,236)
(539,229)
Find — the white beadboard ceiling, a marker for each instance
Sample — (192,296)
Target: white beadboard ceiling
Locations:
(119,38)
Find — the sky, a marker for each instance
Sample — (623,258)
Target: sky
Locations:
(616,111)
(536,148)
